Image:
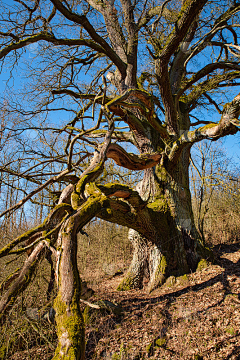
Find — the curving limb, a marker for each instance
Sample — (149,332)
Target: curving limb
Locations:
(228,124)
(132,161)
(49,223)
(22,279)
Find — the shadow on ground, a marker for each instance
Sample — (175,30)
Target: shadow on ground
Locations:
(139,302)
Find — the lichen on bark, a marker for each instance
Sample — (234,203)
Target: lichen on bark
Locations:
(69,319)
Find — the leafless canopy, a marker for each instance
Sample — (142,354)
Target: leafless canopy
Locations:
(92,80)
(67,62)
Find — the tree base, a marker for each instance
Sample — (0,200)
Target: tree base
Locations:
(158,264)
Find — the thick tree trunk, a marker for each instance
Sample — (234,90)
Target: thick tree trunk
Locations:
(69,319)
(176,248)
(70,324)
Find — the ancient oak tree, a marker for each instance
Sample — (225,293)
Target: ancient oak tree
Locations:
(97,75)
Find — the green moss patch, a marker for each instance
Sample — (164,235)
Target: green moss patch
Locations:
(203,264)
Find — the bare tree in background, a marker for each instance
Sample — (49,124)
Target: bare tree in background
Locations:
(214,182)
(101,74)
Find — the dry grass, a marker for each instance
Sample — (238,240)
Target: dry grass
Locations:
(20,334)
(222,225)
(196,318)
(193,317)
(222,221)
(104,252)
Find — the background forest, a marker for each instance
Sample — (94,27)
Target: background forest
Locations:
(104,254)
(119,206)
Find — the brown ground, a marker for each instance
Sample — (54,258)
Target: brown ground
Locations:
(198,317)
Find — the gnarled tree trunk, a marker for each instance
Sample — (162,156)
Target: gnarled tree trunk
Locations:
(69,319)
(105,35)
(176,248)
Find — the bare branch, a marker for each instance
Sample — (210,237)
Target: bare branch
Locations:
(132,161)
(83,21)
(23,279)
(211,101)
(158,11)
(54,217)
(220,24)
(34,192)
(228,125)
(208,69)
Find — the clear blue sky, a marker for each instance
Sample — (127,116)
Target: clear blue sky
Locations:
(232,145)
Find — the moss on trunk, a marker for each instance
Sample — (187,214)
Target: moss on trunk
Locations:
(70,330)
(69,319)
(173,248)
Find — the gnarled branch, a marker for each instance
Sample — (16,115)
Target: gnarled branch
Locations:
(132,161)
(228,125)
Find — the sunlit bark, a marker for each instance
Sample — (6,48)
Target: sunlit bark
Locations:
(147,79)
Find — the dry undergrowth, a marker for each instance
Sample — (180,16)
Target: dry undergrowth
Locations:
(196,318)
(192,317)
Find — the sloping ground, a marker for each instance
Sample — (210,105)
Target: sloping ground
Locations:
(196,318)
(192,317)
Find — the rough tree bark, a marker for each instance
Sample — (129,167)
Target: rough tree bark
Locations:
(158,212)
(176,250)
(175,247)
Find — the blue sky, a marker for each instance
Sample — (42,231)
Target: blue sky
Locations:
(231,143)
